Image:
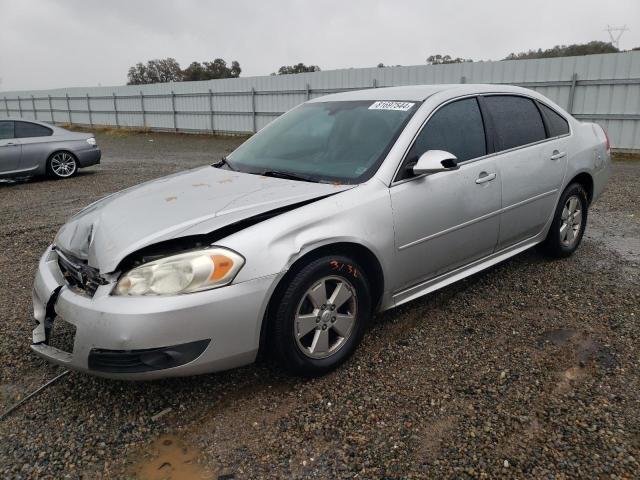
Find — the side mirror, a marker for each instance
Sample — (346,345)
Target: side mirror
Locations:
(434,161)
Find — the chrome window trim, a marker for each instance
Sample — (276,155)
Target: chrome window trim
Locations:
(395,182)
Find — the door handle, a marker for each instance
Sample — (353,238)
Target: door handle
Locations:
(485,177)
(9,144)
(556,155)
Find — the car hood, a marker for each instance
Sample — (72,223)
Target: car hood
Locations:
(194,202)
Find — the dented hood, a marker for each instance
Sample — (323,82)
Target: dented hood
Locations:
(188,203)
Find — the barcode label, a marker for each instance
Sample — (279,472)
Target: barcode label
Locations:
(389,105)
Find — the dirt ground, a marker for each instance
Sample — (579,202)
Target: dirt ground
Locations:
(527,370)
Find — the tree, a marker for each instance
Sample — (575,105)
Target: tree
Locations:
(168,70)
(577,49)
(194,72)
(155,71)
(299,68)
(211,70)
(445,59)
(380,65)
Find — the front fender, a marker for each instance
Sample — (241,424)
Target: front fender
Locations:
(361,215)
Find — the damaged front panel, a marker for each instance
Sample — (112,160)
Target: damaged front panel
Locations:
(188,205)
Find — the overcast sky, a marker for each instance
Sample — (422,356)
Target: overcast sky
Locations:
(56,43)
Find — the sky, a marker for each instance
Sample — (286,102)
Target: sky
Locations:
(68,43)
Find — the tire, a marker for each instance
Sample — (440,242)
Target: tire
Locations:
(569,222)
(62,165)
(311,335)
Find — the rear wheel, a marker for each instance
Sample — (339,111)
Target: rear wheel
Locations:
(320,317)
(62,165)
(569,222)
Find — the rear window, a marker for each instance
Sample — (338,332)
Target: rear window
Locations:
(6,130)
(516,120)
(556,123)
(27,130)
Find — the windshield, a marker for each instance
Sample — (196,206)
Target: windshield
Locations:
(330,141)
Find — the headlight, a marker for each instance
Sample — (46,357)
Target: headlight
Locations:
(91,141)
(184,273)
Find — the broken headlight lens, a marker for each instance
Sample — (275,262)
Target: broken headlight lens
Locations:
(184,273)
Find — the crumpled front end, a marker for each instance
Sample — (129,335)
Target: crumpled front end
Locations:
(134,338)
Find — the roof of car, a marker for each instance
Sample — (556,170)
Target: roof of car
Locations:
(417,92)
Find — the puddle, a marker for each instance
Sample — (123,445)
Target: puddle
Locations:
(585,348)
(171,459)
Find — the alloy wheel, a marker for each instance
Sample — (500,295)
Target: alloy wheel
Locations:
(570,221)
(325,317)
(63,164)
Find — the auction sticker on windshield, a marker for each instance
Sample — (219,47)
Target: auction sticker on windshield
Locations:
(389,105)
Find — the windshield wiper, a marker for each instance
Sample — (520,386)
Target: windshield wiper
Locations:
(222,162)
(288,176)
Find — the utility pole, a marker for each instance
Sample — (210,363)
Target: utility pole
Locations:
(615,33)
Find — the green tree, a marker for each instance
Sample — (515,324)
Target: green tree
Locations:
(194,73)
(577,49)
(445,59)
(219,69)
(155,71)
(299,68)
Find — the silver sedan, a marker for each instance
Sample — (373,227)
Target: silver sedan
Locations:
(29,148)
(347,205)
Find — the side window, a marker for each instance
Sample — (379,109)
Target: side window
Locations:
(456,128)
(516,120)
(556,123)
(6,130)
(28,129)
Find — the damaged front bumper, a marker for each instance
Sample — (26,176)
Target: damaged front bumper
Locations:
(146,337)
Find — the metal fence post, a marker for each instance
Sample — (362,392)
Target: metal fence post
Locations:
(211,111)
(375,83)
(19,106)
(308,91)
(173,107)
(6,106)
(51,109)
(144,114)
(33,104)
(463,79)
(253,109)
(68,107)
(572,92)
(115,109)
(89,110)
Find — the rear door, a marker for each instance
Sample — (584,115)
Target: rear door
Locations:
(447,219)
(35,141)
(9,147)
(531,167)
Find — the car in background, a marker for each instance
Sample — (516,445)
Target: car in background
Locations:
(29,148)
(347,205)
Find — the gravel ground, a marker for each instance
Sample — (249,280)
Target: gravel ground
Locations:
(529,369)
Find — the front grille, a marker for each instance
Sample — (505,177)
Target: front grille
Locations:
(62,335)
(78,274)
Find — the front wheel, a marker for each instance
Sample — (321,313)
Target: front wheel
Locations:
(569,222)
(62,165)
(321,315)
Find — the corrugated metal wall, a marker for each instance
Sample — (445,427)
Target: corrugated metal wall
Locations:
(602,88)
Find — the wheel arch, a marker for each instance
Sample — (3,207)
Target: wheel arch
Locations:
(360,253)
(586,180)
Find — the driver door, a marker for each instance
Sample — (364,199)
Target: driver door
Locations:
(448,219)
